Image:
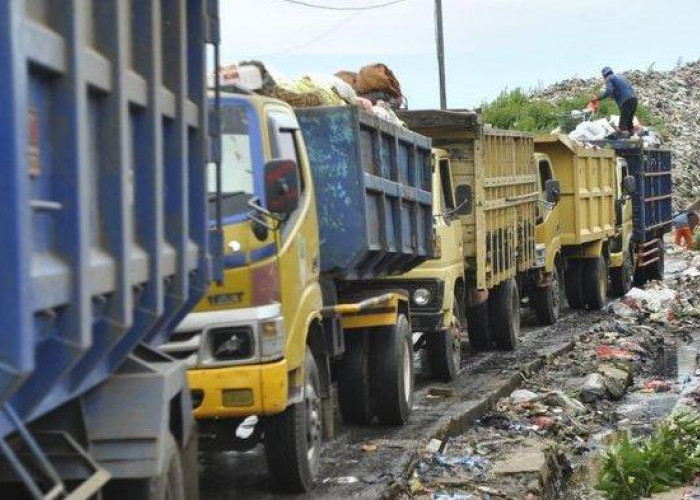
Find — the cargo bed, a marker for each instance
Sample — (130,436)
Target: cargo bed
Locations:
(373,192)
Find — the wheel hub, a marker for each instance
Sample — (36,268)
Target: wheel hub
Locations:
(313,419)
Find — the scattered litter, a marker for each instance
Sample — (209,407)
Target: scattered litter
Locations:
(369,447)
(433,446)
(341,480)
(656,386)
(521,396)
(606,352)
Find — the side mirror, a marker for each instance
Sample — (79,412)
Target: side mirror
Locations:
(629,185)
(463,199)
(281,186)
(552,190)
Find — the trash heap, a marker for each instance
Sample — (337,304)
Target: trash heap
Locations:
(672,95)
(526,443)
(374,88)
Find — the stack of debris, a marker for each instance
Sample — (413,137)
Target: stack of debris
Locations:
(374,89)
(672,95)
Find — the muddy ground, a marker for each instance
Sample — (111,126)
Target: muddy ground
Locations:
(477,428)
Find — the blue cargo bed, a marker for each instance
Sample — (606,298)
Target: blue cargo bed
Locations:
(373,192)
(103,141)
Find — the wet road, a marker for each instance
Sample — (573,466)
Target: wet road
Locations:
(349,472)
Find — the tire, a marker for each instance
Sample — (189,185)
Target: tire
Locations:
(656,270)
(190,465)
(622,278)
(293,438)
(573,281)
(478,328)
(547,301)
(595,283)
(504,315)
(392,372)
(169,485)
(354,393)
(444,347)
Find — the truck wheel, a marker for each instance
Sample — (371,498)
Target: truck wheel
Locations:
(354,396)
(190,465)
(573,284)
(504,315)
(621,278)
(656,270)
(293,438)
(547,301)
(445,347)
(170,485)
(392,365)
(478,327)
(595,283)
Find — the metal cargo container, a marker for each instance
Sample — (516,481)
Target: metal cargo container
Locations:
(373,192)
(497,167)
(105,234)
(587,178)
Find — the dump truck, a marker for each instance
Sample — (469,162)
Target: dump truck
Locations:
(105,243)
(581,229)
(496,180)
(437,287)
(323,200)
(652,208)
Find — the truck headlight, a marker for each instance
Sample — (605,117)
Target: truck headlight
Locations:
(271,339)
(421,297)
(232,343)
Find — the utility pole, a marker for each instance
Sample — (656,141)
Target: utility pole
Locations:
(440,42)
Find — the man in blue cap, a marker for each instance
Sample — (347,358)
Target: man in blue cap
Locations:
(619,88)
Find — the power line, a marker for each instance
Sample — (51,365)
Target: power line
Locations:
(328,7)
(320,36)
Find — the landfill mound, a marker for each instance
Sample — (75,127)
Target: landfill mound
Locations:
(674,96)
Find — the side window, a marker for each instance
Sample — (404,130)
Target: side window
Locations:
(545,173)
(448,200)
(284,138)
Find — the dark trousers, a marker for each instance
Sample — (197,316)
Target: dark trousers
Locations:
(627,111)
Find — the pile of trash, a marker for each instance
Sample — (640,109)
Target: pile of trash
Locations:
(374,89)
(587,132)
(674,96)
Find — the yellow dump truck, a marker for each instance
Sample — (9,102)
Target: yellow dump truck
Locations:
(317,202)
(584,233)
(494,174)
(437,287)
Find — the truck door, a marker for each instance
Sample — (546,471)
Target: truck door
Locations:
(298,247)
(449,228)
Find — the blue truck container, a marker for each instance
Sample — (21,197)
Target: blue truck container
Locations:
(373,192)
(104,143)
(652,203)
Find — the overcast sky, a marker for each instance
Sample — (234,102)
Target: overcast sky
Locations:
(490,44)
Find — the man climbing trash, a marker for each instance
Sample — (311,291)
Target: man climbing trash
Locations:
(620,89)
(683,226)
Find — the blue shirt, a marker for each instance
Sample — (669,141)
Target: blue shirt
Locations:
(619,88)
(681,221)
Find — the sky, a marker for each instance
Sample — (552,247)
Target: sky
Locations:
(490,45)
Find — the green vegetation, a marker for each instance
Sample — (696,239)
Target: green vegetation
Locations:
(669,458)
(516,109)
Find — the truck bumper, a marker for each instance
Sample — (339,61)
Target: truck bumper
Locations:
(239,391)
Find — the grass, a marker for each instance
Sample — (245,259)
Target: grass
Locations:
(669,458)
(518,110)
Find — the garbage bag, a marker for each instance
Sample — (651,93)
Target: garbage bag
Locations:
(377,78)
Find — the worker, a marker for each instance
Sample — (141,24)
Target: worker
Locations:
(620,89)
(684,225)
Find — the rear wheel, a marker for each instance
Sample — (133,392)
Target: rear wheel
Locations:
(392,365)
(573,284)
(655,270)
(504,315)
(169,485)
(595,283)
(444,347)
(354,394)
(478,327)
(621,278)
(547,301)
(293,438)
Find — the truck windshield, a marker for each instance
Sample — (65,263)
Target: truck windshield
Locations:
(237,160)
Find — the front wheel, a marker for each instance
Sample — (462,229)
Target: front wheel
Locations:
(547,301)
(392,365)
(445,347)
(293,438)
